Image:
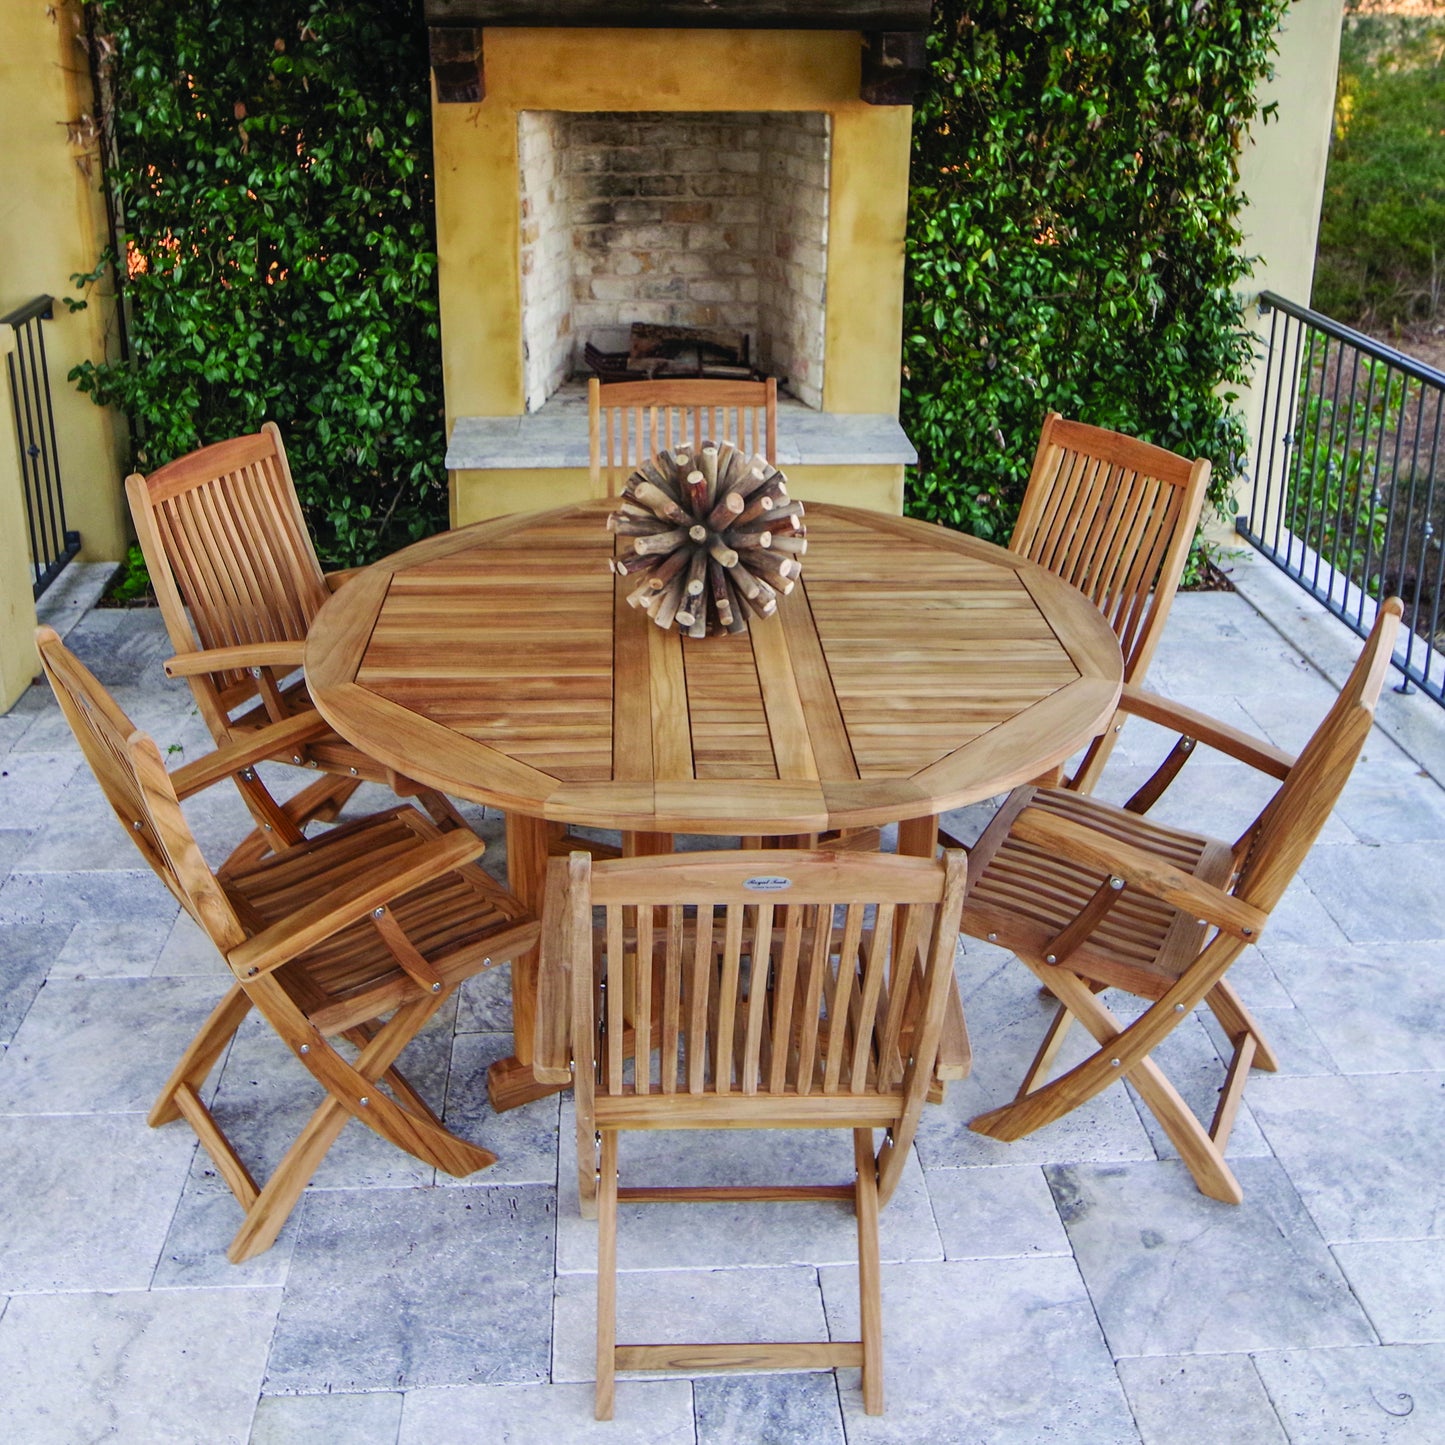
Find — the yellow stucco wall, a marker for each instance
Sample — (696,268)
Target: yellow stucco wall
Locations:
(52,226)
(478,213)
(1282,174)
(18,662)
(478,495)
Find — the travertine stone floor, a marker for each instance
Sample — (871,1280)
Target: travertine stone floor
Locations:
(1071,1288)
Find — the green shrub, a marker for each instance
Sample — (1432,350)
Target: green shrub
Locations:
(274,187)
(1381,260)
(1332,501)
(1073,239)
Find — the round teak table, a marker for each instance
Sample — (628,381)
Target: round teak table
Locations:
(913,670)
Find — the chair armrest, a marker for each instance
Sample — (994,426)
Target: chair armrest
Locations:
(353,900)
(552,1031)
(1265,757)
(255,747)
(336,580)
(240,658)
(1140,869)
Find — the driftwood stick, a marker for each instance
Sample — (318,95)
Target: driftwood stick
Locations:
(667,569)
(722,552)
(697,494)
(748,541)
(761,505)
(726,512)
(660,541)
(656,500)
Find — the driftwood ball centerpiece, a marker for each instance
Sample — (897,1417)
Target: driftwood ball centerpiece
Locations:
(714,536)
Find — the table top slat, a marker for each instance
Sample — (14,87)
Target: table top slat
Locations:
(912,671)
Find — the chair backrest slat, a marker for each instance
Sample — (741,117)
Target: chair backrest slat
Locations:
(1273,848)
(630,421)
(229,555)
(1114,517)
(824,994)
(131,773)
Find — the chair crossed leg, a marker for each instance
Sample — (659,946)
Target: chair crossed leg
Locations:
(405,1121)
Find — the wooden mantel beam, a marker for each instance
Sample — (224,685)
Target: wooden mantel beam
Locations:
(877,15)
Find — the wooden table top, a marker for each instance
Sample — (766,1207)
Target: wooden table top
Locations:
(913,670)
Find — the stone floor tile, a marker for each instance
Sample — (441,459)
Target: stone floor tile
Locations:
(187,952)
(1258,982)
(1385,894)
(779,1409)
(1377,1008)
(86,1199)
(206,1219)
(124,646)
(1298,1049)
(1287,716)
(101,1045)
(484,1002)
(1392,801)
(14,725)
(370,1419)
(101,949)
(1007,1018)
(1172,1272)
(169,1368)
(1219,1398)
(998,1352)
(1401,1283)
(1002,1212)
(1303,917)
(27,951)
(393,1288)
(29,785)
(524,1139)
(718,1236)
(699,1306)
(1362,1151)
(13,845)
(116,895)
(1244,667)
(648,1412)
(1388,1395)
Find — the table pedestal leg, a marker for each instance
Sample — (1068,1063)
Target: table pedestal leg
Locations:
(510,1082)
(918,837)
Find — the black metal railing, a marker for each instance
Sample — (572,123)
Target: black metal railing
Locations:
(1346,463)
(52,544)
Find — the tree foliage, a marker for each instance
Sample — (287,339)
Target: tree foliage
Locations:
(1381,260)
(1074,240)
(274,188)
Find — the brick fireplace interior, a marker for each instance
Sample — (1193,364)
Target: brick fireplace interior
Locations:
(698,219)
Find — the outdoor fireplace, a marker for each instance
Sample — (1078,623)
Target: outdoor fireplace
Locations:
(738,181)
(709,220)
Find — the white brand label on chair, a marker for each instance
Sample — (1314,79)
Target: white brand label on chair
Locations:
(767,885)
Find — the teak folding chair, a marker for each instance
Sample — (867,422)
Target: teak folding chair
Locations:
(1092,896)
(629,421)
(381,917)
(777,990)
(1115,518)
(238,585)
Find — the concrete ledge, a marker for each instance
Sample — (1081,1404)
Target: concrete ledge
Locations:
(556,436)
